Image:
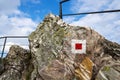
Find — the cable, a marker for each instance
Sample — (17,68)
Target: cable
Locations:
(97,12)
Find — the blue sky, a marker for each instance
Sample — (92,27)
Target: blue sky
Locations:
(21,17)
(39,8)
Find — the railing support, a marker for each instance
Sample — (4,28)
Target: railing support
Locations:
(60,10)
(4,46)
(6,37)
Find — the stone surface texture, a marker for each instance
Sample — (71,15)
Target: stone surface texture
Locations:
(50,56)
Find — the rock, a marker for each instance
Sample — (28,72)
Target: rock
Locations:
(50,56)
(83,71)
(110,71)
(1,66)
(52,40)
(16,64)
(56,70)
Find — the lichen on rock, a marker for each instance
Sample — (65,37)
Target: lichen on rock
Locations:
(16,64)
(50,56)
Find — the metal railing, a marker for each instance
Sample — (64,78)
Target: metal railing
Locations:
(5,40)
(83,13)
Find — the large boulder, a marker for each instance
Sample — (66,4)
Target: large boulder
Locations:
(16,64)
(52,40)
(50,56)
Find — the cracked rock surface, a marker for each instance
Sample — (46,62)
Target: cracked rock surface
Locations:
(50,56)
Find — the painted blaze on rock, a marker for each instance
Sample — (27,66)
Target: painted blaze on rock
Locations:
(54,39)
(78,46)
(51,57)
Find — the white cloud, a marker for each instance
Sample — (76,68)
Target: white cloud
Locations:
(22,26)
(106,24)
(114,4)
(14,22)
(16,25)
(8,6)
(69,19)
(89,5)
(9,44)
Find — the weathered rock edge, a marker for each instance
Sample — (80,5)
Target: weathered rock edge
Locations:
(50,57)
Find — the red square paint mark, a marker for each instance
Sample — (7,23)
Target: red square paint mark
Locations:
(78,46)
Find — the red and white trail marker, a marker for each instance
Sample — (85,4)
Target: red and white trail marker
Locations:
(78,46)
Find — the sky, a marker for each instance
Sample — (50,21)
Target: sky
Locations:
(21,17)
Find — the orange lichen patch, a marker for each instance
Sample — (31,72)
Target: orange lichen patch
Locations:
(84,69)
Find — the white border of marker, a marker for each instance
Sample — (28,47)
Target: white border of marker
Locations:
(83,42)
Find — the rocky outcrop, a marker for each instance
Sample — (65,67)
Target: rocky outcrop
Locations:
(50,56)
(111,59)
(52,40)
(16,64)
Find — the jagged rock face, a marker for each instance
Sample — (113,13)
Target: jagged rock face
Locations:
(111,69)
(50,56)
(109,72)
(16,64)
(52,40)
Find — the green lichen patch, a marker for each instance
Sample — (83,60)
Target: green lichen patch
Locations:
(106,68)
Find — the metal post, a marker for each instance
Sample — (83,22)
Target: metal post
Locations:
(3,47)
(60,13)
(5,37)
(60,4)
